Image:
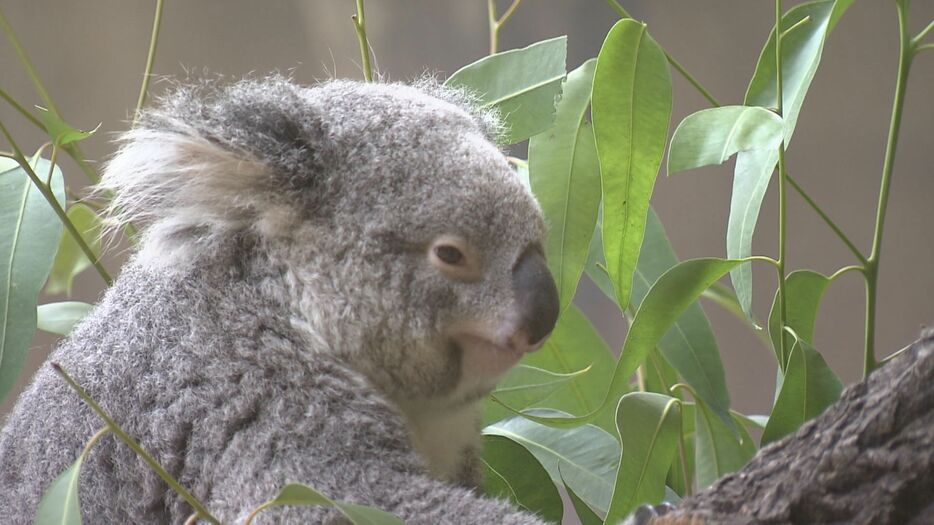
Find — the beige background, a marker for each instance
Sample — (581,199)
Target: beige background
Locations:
(91,56)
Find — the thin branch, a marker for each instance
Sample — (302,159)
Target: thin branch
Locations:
(150,59)
(22,111)
(53,202)
(925,47)
(836,229)
(924,32)
(130,442)
(359,24)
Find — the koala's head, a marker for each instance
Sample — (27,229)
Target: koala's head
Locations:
(410,249)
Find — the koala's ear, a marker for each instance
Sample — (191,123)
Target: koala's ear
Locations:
(208,162)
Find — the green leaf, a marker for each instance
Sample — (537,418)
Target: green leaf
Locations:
(839,7)
(689,344)
(631,108)
(299,494)
(809,386)
(717,446)
(59,131)
(575,345)
(70,260)
(587,454)
(668,298)
(60,505)
(649,425)
(527,385)
(29,233)
(60,318)
(585,514)
(711,136)
(521,84)
(804,289)
(529,484)
(801,53)
(565,177)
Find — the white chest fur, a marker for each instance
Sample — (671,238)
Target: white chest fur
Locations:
(442,435)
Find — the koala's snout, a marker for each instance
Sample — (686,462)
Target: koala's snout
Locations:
(536,297)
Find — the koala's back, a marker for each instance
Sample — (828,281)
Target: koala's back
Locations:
(209,377)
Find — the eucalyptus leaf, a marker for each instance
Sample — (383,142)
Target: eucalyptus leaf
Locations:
(565,178)
(585,514)
(70,260)
(59,131)
(631,109)
(60,504)
(711,136)
(649,425)
(804,289)
(801,53)
(808,387)
(527,385)
(587,454)
(521,84)
(60,318)
(29,234)
(299,494)
(529,484)
(718,448)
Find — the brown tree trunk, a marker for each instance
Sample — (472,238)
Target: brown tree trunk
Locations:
(869,459)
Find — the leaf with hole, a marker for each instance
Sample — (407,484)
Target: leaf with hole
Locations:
(711,136)
(522,85)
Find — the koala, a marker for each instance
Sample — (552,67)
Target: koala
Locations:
(329,282)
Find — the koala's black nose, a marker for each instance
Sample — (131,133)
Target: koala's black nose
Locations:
(536,294)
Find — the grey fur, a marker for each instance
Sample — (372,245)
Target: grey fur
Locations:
(281,321)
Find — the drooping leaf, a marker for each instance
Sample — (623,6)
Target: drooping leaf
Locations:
(801,53)
(668,298)
(631,108)
(527,385)
(808,387)
(804,290)
(70,260)
(587,454)
(649,425)
(521,84)
(59,504)
(711,136)
(575,345)
(29,234)
(718,447)
(60,131)
(60,318)
(565,177)
(689,344)
(299,494)
(529,485)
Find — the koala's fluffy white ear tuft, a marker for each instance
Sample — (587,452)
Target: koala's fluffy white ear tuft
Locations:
(185,189)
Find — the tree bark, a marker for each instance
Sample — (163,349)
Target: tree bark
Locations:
(868,459)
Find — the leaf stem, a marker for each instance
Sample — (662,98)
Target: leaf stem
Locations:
(924,32)
(782,176)
(359,24)
(905,55)
(46,192)
(621,11)
(150,59)
(496,23)
(130,442)
(925,47)
(796,25)
(18,107)
(93,441)
(833,226)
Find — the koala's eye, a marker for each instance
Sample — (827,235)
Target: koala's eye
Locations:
(454,258)
(449,254)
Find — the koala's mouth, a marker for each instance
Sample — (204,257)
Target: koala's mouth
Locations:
(485,357)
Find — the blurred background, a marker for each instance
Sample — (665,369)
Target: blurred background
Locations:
(91,56)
